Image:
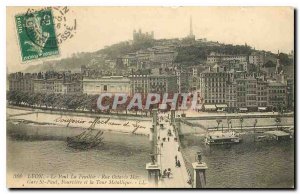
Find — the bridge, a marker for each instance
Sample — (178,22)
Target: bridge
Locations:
(169,150)
(164,172)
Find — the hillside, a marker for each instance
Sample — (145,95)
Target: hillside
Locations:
(96,58)
(187,55)
(72,63)
(196,54)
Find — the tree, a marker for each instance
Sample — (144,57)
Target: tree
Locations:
(24,97)
(229,122)
(218,122)
(31,98)
(17,97)
(59,102)
(279,108)
(83,100)
(74,101)
(49,100)
(284,59)
(241,122)
(269,64)
(39,98)
(277,121)
(254,124)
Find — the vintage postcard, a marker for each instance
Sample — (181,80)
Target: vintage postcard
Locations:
(150,97)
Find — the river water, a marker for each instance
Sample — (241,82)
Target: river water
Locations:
(121,154)
(246,165)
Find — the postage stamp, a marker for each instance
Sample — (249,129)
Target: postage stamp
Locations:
(36,33)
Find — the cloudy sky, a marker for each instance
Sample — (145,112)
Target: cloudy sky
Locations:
(265,28)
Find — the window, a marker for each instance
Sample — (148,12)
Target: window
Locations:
(105,88)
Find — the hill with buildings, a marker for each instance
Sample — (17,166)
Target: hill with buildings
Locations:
(197,53)
(224,76)
(72,63)
(145,52)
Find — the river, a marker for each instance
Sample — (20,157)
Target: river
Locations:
(246,165)
(121,154)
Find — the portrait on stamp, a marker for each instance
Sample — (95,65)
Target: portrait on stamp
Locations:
(36,33)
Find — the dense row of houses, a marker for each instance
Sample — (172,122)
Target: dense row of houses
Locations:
(217,88)
(147,58)
(232,82)
(67,83)
(220,89)
(49,82)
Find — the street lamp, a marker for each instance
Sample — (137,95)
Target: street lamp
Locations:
(199,157)
(153,161)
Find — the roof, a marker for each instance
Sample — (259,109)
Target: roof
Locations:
(222,135)
(107,78)
(216,66)
(276,84)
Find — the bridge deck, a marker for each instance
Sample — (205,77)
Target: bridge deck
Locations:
(179,175)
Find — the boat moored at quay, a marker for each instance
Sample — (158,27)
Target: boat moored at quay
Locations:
(219,138)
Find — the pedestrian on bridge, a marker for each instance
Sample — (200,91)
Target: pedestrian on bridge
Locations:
(178,164)
(169,172)
(165,173)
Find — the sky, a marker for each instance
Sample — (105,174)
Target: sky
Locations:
(265,28)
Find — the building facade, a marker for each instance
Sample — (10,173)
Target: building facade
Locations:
(290,93)
(218,58)
(106,84)
(277,95)
(213,85)
(231,96)
(257,59)
(139,84)
(262,94)
(21,82)
(59,85)
(163,84)
(220,88)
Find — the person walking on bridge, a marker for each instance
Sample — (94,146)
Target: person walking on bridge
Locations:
(178,164)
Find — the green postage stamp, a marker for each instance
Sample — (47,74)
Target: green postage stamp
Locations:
(36,33)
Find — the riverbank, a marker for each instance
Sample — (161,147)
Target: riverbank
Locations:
(195,115)
(262,124)
(121,124)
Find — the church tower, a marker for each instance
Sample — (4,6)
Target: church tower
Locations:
(191,35)
(191,26)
